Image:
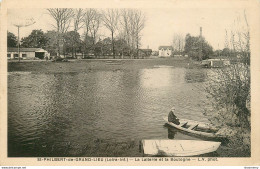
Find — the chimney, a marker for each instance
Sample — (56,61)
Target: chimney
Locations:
(200,31)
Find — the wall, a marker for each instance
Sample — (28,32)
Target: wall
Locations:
(30,55)
(165,53)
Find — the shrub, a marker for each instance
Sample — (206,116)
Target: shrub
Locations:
(229,90)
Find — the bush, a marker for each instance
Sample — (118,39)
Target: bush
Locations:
(229,90)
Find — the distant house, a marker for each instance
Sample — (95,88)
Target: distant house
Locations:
(145,53)
(165,51)
(27,53)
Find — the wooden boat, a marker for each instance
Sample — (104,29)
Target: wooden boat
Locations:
(178,147)
(196,128)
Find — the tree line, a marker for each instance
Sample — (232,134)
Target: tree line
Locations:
(125,27)
(196,47)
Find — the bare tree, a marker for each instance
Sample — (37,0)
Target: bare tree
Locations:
(88,17)
(240,38)
(62,17)
(94,25)
(132,22)
(78,18)
(178,43)
(110,19)
(92,21)
(126,28)
(138,22)
(125,23)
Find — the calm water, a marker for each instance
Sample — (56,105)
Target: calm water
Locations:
(56,110)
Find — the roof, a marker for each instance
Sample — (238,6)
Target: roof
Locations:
(165,47)
(146,50)
(25,50)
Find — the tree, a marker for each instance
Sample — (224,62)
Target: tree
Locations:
(51,45)
(137,22)
(92,20)
(87,44)
(217,53)
(125,22)
(197,47)
(110,19)
(121,47)
(62,17)
(11,40)
(126,31)
(132,22)
(94,25)
(225,52)
(178,43)
(37,39)
(240,38)
(72,42)
(89,15)
(78,19)
(207,50)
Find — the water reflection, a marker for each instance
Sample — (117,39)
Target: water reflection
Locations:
(161,77)
(171,133)
(195,75)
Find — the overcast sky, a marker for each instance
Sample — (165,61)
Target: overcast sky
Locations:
(160,26)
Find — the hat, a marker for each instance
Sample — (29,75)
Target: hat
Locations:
(173,108)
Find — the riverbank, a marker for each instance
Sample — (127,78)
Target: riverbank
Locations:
(98,65)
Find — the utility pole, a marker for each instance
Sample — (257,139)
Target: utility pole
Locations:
(200,56)
(218,51)
(227,44)
(18,45)
(31,22)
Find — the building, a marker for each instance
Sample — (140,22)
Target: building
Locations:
(27,53)
(215,63)
(165,51)
(145,53)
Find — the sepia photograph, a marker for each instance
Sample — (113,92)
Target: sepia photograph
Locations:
(128,82)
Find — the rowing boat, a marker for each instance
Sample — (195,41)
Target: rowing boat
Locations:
(178,147)
(196,128)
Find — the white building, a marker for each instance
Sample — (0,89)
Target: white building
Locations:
(165,51)
(27,53)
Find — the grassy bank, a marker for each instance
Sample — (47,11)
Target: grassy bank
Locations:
(96,65)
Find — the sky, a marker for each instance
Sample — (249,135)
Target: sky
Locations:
(160,26)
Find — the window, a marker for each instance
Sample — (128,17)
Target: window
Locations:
(15,55)
(9,55)
(24,55)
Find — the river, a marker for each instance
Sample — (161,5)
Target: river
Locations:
(57,109)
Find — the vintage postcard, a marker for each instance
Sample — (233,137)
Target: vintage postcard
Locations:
(120,82)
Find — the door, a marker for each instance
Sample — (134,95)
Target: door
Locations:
(39,55)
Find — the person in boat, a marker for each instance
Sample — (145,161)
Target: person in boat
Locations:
(172,118)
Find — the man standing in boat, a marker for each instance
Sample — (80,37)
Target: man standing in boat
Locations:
(172,118)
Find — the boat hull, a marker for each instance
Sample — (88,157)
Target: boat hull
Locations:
(178,147)
(196,128)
